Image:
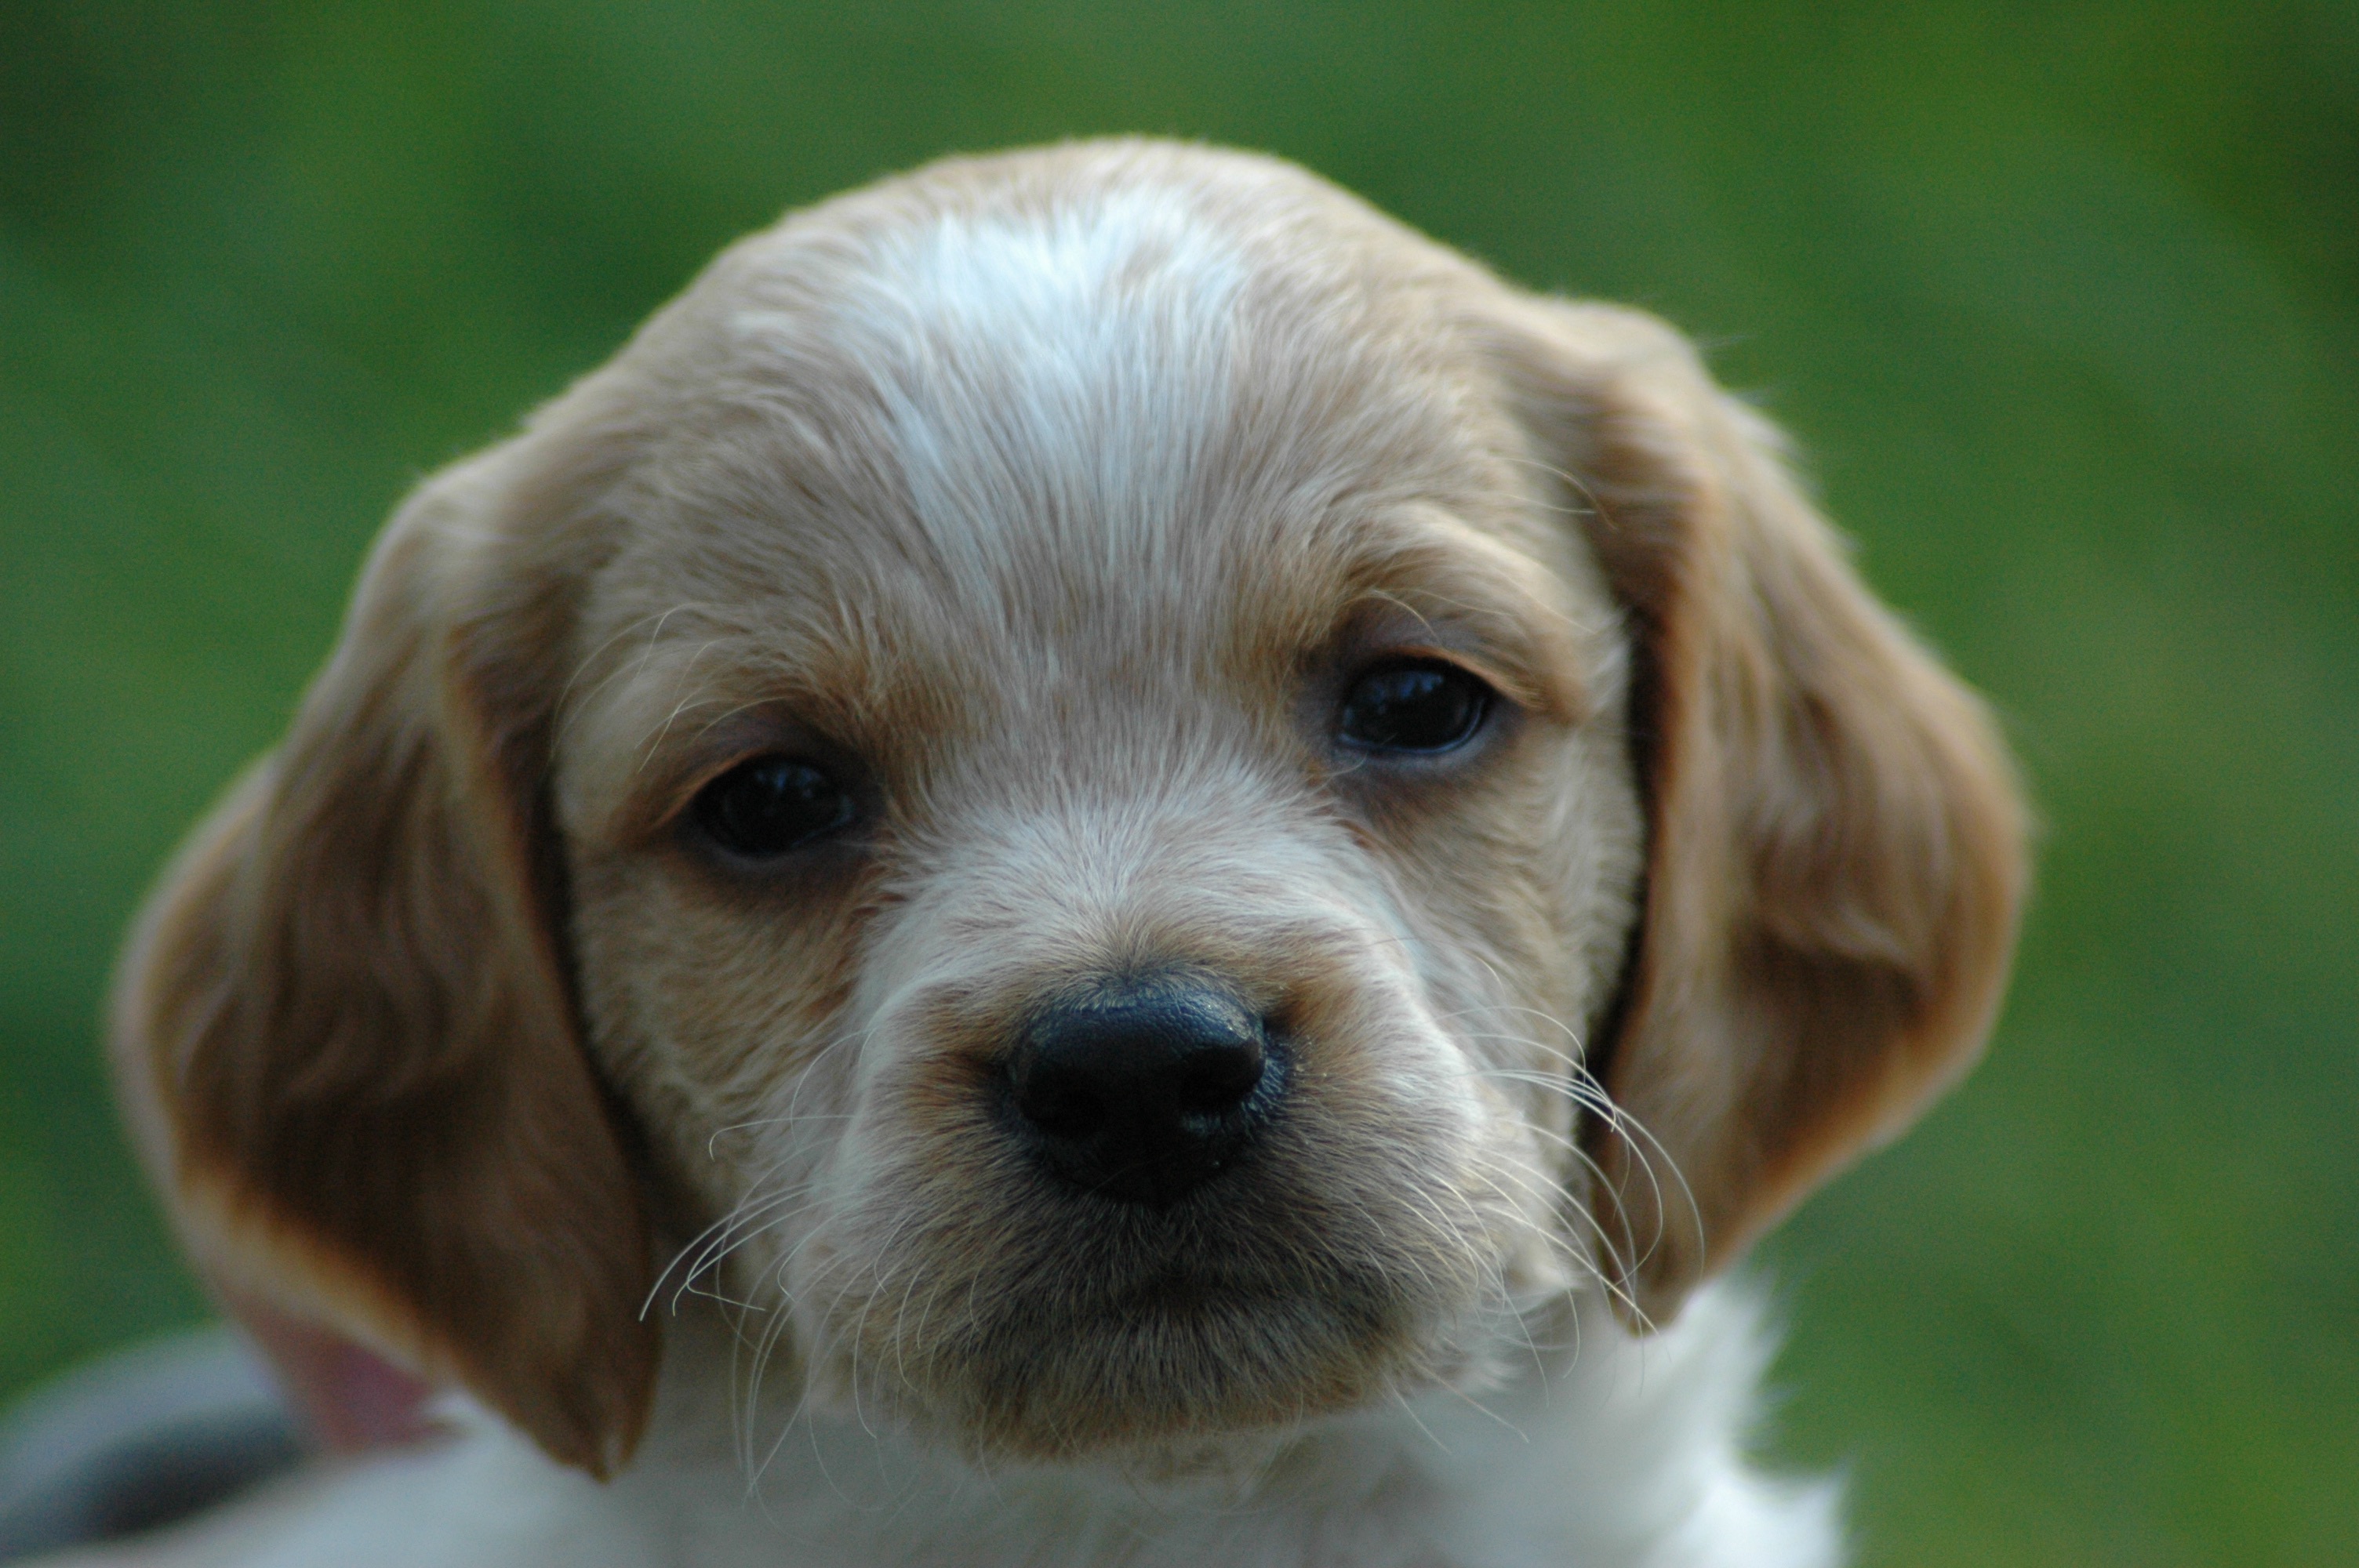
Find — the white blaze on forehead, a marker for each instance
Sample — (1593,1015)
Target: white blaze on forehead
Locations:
(1053,378)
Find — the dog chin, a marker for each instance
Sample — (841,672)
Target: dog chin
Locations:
(1161,1359)
(1212,1358)
(1168,1385)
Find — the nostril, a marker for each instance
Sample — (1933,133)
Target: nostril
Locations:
(1057,1100)
(1141,1089)
(1216,1078)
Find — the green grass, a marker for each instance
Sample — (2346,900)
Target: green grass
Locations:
(2062,301)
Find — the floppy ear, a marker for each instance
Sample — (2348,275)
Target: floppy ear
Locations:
(345,1030)
(1836,849)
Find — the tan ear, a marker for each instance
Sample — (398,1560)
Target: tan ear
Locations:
(1836,856)
(344,1030)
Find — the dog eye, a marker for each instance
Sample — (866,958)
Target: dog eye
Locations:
(771,806)
(1418,706)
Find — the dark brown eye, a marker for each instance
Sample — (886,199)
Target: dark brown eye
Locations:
(1418,706)
(771,807)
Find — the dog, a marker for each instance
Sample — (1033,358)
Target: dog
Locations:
(1101,861)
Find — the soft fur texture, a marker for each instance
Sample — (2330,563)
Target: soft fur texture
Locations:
(1052,501)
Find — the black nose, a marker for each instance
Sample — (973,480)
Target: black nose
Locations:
(1142,1089)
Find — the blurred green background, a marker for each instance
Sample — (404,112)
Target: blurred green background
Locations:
(2061,299)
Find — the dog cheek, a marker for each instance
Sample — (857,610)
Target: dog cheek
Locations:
(907,1219)
(714,1025)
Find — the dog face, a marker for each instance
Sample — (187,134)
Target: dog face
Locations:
(1111,693)
(1137,803)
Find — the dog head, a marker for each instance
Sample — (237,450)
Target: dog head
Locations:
(1129,801)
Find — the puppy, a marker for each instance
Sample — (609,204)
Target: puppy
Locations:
(1101,862)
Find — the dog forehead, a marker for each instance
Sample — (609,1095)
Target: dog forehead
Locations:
(1057,391)
(1124,399)
(1046,398)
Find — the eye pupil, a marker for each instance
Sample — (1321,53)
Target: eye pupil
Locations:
(1413,708)
(771,806)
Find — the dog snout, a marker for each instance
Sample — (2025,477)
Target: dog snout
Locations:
(1141,1090)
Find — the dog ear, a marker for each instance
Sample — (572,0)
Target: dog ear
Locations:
(345,1029)
(1836,849)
